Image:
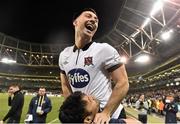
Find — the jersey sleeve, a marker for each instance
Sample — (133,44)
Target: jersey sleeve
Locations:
(111,58)
(61,63)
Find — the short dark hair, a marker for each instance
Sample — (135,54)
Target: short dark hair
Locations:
(42,87)
(15,85)
(73,109)
(85,9)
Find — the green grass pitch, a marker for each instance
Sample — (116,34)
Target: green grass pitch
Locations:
(51,118)
(152,119)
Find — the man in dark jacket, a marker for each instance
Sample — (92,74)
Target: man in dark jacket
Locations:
(40,106)
(16,103)
(171,109)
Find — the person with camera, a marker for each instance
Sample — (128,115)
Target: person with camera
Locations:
(142,106)
(171,109)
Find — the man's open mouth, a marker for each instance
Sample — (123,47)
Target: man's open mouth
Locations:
(90,26)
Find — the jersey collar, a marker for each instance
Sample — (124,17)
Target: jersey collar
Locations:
(84,48)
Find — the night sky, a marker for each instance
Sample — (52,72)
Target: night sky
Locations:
(50,21)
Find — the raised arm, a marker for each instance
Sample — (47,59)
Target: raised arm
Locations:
(119,76)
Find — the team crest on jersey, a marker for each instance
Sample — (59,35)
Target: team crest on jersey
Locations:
(88,61)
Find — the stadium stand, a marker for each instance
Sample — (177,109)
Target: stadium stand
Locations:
(31,65)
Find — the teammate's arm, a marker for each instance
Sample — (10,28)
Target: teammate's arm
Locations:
(119,76)
(65,85)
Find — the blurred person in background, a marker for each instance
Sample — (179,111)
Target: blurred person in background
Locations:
(149,105)
(161,106)
(39,107)
(16,101)
(142,106)
(171,110)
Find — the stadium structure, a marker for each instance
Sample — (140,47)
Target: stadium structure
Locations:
(145,34)
(32,65)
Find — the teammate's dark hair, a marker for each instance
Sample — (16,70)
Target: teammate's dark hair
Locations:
(73,109)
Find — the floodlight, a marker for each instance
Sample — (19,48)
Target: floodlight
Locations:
(157,6)
(166,35)
(123,59)
(7,61)
(142,58)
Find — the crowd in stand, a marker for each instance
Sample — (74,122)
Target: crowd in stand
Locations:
(156,99)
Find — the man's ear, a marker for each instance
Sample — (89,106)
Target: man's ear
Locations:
(74,22)
(88,119)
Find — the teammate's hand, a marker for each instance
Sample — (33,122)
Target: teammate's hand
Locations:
(102,118)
